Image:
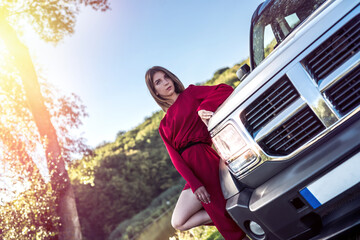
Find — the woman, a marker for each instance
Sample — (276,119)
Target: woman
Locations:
(184,132)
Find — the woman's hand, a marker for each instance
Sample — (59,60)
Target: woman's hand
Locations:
(205,116)
(202,195)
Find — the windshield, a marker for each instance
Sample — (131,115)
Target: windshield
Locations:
(276,21)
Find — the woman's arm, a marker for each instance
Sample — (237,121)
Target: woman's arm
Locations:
(211,97)
(180,165)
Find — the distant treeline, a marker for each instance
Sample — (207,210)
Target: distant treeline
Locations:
(120,179)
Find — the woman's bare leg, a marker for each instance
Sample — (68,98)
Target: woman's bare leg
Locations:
(188,212)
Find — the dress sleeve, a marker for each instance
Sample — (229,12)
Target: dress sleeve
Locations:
(212,96)
(180,165)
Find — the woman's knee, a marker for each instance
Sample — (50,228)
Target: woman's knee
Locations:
(186,206)
(177,223)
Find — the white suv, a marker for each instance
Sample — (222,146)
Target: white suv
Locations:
(289,135)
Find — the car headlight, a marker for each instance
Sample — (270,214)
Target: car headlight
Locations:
(233,149)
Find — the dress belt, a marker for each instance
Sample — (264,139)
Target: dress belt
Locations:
(181,150)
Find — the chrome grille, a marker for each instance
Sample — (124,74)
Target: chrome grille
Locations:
(345,94)
(292,134)
(269,104)
(338,48)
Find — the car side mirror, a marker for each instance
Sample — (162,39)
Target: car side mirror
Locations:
(243,71)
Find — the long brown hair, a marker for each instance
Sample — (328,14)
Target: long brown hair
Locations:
(179,87)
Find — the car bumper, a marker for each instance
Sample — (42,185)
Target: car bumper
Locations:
(282,209)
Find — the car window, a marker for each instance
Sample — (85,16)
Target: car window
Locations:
(269,40)
(276,21)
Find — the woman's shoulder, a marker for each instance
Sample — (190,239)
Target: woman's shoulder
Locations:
(191,88)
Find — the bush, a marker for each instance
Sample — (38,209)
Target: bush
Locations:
(198,233)
(31,215)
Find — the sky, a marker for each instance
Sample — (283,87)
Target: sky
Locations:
(105,60)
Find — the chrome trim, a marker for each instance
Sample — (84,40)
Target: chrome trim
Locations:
(280,119)
(311,95)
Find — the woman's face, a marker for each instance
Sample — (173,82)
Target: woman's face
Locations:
(164,86)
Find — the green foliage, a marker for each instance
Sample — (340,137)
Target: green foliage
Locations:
(215,236)
(220,71)
(110,183)
(31,215)
(51,19)
(226,75)
(270,47)
(198,233)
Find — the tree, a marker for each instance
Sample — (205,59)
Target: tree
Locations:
(52,19)
(30,213)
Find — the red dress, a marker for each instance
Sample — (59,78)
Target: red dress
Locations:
(199,164)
